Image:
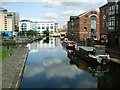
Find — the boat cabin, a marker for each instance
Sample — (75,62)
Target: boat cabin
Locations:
(99,50)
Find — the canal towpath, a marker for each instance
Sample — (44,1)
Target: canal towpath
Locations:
(13,66)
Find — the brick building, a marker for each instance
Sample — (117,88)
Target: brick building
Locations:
(110,23)
(84,26)
(104,23)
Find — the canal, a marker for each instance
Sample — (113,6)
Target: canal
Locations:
(49,66)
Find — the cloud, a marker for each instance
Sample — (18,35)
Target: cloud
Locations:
(51,16)
(32,70)
(62,70)
(51,3)
(51,60)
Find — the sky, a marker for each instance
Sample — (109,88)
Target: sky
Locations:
(53,10)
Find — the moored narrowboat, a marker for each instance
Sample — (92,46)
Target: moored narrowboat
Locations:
(92,54)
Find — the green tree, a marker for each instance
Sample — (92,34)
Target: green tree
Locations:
(31,33)
(46,32)
(21,33)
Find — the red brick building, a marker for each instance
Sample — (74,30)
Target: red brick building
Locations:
(104,23)
(84,26)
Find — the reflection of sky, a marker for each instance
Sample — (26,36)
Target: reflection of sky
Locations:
(52,69)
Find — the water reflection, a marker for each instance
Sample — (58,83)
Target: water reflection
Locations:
(46,43)
(108,74)
(50,68)
(95,69)
(111,79)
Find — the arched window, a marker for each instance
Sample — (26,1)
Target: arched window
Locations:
(93,25)
(23,26)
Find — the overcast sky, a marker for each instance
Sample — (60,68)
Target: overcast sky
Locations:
(56,10)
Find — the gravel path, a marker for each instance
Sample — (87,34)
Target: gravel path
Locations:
(12,68)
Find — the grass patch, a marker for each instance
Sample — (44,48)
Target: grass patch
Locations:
(4,54)
(8,42)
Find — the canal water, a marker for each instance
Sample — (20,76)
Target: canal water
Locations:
(50,66)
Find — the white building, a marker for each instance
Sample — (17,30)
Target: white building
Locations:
(40,26)
(24,25)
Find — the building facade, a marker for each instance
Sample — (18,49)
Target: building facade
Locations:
(16,21)
(104,23)
(40,26)
(84,26)
(110,23)
(113,23)
(6,22)
(24,25)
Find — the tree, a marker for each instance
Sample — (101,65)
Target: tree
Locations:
(46,32)
(4,34)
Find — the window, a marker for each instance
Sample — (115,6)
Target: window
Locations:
(95,12)
(43,27)
(103,25)
(85,21)
(91,12)
(47,28)
(117,9)
(38,27)
(51,27)
(85,28)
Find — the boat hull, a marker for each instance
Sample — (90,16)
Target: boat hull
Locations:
(84,56)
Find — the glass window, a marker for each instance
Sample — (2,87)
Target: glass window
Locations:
(91,12)
(38,27)
(95,12)
(85,21)
(117,9)
(43,27)
(51,27)
(103,24)
(85,28)
(47,28)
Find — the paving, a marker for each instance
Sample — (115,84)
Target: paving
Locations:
(12,68)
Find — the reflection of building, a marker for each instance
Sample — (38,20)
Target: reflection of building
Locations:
(110,79)
(95,69)
(45,44)
(108,75)
(56,41)
(84,26)
(39,26)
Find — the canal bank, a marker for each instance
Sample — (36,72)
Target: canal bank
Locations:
(13,66)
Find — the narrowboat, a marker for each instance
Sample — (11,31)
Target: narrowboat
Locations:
(69,45)
(92,54)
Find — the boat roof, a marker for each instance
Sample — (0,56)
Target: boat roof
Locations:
(99,46)
(86,48)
